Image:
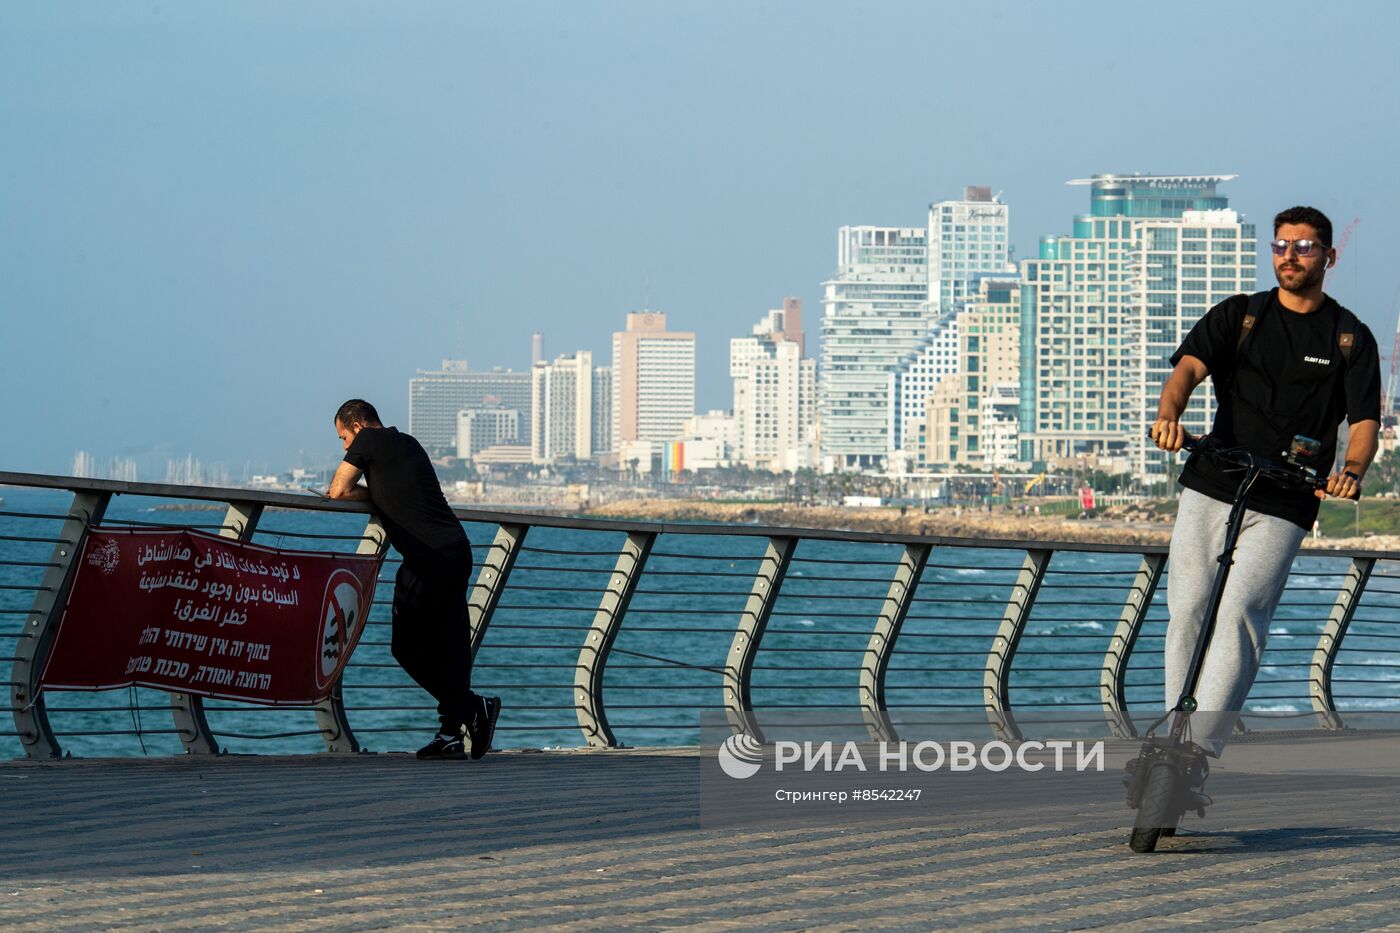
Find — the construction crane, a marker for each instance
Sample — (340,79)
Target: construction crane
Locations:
(1388,415)
(1346,236)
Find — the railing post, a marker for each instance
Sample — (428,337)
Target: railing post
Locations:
(187,709)
(491,581)
(876,662)
(593,657)
(31,719)
(996,678)
(330,712)
(738,665)
(1113,678)
(1330,641)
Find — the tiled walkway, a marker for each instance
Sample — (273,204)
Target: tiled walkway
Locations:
(611,839)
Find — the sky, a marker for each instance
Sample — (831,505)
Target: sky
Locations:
(219,221)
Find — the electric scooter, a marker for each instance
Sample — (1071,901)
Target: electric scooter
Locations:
(1161,780)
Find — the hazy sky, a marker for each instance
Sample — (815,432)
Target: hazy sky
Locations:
(218,221)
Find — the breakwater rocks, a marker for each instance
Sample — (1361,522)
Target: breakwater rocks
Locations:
(1118,525)
(942,522)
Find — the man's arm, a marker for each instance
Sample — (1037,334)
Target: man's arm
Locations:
(1176,392)
(346,484)
(1362,445)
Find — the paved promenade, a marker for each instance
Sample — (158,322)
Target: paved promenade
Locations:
(613,839)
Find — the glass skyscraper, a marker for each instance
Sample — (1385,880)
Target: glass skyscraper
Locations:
(875,313)
(1103,309)
(887,326)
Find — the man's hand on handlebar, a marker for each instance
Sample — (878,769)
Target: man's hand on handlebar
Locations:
(1169,435)
(1343,485)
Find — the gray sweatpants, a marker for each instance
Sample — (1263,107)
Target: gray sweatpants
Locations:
(1263,556)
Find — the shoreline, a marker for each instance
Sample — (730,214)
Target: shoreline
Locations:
(1139,528)
(1119,527)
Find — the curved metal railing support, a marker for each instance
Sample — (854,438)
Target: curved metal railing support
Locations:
(31,719)
(491,580)
(39,567)
(1330,641)
(753,621)
(1113,680)
(187,709)
(598,641)
(330,712)
(875,665)
(996,677)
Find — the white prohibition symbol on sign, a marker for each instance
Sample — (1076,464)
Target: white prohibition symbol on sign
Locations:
(740,756)
(340,619)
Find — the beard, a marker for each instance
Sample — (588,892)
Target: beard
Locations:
(1302,280)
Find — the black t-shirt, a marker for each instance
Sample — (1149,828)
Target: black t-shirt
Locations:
(1288,378)
(405,493)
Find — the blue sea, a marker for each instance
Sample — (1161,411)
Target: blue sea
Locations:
(664,667)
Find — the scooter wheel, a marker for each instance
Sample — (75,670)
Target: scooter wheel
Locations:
(1155,812)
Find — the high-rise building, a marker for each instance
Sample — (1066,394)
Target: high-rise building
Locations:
(435,398)
(653,380)
(972,414)
(603,442)
(122,469)
(875,312)
(888,329)
(774,391)
(479,429)
(536,347)
(566,411)
(967,239)
(1103,309)
(917,376)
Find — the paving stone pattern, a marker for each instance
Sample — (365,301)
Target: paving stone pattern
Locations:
(612,840)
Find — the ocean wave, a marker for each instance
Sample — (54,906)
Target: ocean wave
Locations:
(1327,579)
(1049,628)
(1376,703)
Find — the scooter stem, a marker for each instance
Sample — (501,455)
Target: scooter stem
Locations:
(1186,703)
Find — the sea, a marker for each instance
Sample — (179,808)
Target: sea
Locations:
(664,671)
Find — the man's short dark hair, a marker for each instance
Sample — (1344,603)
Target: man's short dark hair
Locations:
(1306,215)
(357,409)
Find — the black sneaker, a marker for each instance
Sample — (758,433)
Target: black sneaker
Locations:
(443,746)
(483,725)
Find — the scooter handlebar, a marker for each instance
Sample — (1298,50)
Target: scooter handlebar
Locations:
(1287,473)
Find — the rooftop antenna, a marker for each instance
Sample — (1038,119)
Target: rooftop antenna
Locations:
(646,293)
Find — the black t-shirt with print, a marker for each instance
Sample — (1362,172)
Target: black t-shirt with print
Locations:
(1288,378)
(406,494)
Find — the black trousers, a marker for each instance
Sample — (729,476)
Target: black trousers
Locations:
(431,635)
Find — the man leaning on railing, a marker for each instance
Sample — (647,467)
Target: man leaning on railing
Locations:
(431,635)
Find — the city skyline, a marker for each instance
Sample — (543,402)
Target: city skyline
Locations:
(219,223)
(947,264)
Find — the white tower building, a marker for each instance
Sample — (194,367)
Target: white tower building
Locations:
(653,380)
(774,391)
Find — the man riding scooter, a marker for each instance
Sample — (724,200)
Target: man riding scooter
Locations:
(1284,363)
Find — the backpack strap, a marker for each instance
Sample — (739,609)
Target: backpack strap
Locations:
(1346,336)
(1257,303)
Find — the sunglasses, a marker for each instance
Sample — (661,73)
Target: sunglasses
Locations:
(1301,247)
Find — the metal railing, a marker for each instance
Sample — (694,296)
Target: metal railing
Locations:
(622,631)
